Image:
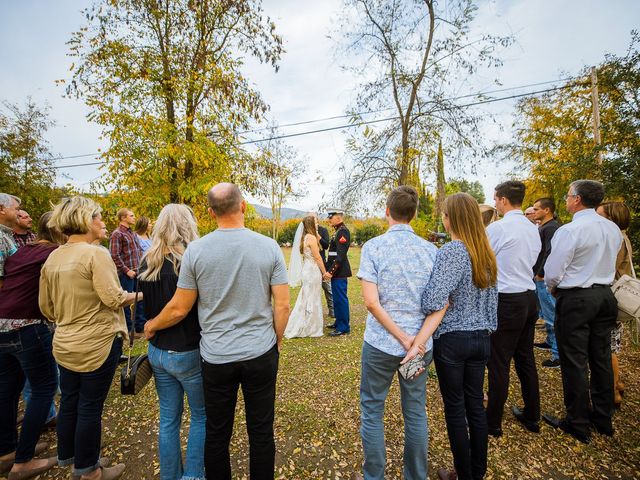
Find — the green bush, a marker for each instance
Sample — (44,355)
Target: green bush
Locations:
(423,225)
(288,231)
(367,231)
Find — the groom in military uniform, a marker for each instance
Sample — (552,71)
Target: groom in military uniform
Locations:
(338,271)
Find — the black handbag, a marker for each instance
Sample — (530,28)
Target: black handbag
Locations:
(137,372)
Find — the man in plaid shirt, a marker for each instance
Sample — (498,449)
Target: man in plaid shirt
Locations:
(126,253)
(22,233)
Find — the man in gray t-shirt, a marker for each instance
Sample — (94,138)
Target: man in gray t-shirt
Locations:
(234,269)
(233,273)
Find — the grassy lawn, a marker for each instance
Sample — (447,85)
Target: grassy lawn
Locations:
(317,420)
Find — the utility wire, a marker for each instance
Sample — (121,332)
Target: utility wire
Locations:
(395,117)
(358,124)
(357,114)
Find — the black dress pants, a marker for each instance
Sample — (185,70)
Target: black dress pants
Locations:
(513,339)
(220,382)
(584,320)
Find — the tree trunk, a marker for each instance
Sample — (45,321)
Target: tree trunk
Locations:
(440,192)
(171,160)
(404,161)
(189,137)
(169,100)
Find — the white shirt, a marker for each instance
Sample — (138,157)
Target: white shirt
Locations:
(516,243)
(583,252)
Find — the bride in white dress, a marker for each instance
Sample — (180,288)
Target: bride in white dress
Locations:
(306,266)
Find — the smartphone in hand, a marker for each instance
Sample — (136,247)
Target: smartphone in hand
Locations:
(413,368)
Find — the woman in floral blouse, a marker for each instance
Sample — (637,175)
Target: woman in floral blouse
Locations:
(464,275)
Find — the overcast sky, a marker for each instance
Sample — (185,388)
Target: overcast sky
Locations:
(554,38)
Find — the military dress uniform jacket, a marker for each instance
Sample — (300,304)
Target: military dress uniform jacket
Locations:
(337,260)
(325,238)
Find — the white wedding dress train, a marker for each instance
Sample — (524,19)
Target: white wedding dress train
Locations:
(306,319)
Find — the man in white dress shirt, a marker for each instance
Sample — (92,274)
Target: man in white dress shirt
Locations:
(579,270)
(516,243)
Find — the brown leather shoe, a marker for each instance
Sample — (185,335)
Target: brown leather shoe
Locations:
(33,472)
(5,465)
(444,474)
(103,462)
(111,473)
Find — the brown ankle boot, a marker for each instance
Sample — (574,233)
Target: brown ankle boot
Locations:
(617,397)
(110,473)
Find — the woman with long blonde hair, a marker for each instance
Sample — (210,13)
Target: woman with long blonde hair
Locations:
(306,319)
(464,276)
(174,351)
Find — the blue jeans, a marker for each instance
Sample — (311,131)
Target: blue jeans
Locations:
(378,370)
(340,304)
(26,396)
(129,284)
(25,353)
(80,418)
(177,373)
(460,359)
(548,309)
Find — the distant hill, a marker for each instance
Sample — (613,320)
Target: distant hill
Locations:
(285,213)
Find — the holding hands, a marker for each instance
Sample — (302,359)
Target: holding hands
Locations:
(417,343)
(415,349)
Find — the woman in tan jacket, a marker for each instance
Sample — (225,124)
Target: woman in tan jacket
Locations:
(80,292)
(619,214)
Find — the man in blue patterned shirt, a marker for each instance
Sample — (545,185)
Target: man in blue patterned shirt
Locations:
(395,269)
(9,207)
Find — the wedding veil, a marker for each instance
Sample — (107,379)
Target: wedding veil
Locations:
(295,263)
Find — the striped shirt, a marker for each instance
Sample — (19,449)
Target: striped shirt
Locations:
(125,249)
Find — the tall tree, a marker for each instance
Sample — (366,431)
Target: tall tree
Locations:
(420,50)
(163,77)
(280,168)
(26,161)
(554,142)
(619,80)
(473,188)
(440,183)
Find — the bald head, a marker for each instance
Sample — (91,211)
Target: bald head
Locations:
(225,199)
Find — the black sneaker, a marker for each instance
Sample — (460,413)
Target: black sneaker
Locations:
(542,345)
(551,363)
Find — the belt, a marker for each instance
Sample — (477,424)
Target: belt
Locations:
(513,294)
(595,285)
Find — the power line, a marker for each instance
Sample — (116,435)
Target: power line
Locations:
(358,124)
(336,117)
(395,117)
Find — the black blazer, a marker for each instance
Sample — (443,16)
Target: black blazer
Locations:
(337,261)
